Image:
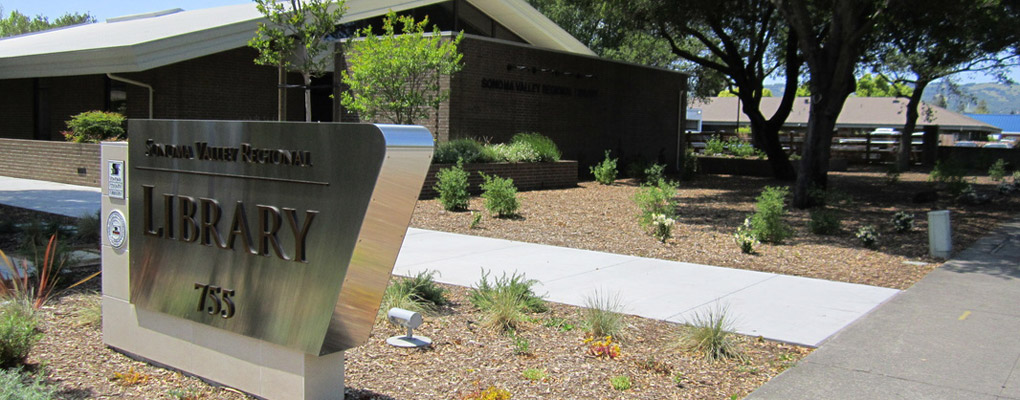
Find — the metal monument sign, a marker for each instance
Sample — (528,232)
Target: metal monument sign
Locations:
(283,232)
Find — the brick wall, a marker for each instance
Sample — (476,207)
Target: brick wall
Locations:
(526,176)
(51,161)
(585,104)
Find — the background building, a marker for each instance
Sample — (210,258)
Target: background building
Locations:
(522,73)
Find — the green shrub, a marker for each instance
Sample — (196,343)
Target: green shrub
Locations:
(903,222)
(715,146)
(657,199)
(605,171)
(868,236)
(636,169)
(709,334)
(17,332)
(522,346)
(500,195)
(542,145)
(476,220)
(516,152)
(998,170)
(505,301)
(690,166)
(654,173)
(95,126)
(767,223)
(824,221)
(739,148)
(621,382)
(15,385)
(951,175)
(452,186)
(602,314)
(468,150)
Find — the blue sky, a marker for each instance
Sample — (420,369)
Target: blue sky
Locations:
(104,9)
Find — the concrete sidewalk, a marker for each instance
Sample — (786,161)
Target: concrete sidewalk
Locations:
(786,308)
(51,197)
(953,335)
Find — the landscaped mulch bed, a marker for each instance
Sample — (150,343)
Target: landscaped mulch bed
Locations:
(464,358)
(603,218)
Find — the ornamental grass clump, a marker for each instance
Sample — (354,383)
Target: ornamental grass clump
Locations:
(418,293)
(516,152)
(903,222)
(544,147)
(710,334)
(506,301)
(602,314)
(500,195)
(605,171)
(452,186)
(868,236)
(768,222)
(18,385)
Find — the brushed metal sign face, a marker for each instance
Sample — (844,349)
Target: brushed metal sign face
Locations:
(284,232)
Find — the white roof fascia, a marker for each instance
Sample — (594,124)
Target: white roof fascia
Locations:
(531,25)
(145,42)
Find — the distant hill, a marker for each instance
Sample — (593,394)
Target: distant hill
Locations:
(998,98)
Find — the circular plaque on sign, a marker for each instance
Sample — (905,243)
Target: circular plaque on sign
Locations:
(116,229)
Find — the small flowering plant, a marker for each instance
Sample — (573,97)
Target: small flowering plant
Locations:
(903,221)
(745,237)
(604,348)
(662,227)
(868,236)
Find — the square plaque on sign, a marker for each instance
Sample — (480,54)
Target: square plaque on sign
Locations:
(115,179)
(285,232)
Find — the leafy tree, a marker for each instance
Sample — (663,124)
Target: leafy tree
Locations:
(833,36)
(765,92)
(395,76)
(296,38)
(17,23)
(949,37)
(879,86)
(743,41)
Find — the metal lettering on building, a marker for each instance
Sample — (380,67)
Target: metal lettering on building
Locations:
(285,232)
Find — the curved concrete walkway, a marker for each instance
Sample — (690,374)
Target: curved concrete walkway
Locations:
(785,308)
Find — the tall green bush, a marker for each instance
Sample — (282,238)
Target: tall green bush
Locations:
(542,145)
(95,126)
(468,150)
(452,186)
(17,332)
(768,222)
(998,170)
(500,195)
(951,175)
(605,171)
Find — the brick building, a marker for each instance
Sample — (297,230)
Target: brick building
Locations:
(522,73)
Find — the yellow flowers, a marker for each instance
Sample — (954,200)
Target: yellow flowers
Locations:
(604,348)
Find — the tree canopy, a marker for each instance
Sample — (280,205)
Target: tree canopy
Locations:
(17,23)
(879,86)
(297,38)
(394,76)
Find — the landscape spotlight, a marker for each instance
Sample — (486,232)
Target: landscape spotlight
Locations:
(410,320)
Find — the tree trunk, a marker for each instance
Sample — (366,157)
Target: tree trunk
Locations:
(814,164)
(766,136)
(906,137)
(308,96)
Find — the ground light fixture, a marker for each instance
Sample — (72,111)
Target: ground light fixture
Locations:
(410,320)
